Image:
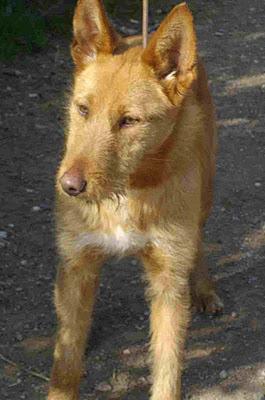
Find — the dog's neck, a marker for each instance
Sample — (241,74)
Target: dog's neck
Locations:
(155,168)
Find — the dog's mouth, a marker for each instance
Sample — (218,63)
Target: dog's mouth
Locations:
(115,198)
(94,189)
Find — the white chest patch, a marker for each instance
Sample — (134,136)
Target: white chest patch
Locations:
(118,242)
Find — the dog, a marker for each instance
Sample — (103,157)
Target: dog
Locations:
(136,179)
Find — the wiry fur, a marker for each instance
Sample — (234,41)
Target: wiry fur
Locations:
(149,186)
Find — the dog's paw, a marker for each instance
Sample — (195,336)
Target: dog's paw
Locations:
(210,304)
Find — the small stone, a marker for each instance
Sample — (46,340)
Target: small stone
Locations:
(134,21)
(35,209)
(39,126)
(33,95)
(103,387)
(262,373)
(19,336)
(3,235)
(23,262)
(134,262)
(11,225)
(143,381)
(126,352)
(257,184)
(28,190)
(233,314)
(223,374)
(130,31)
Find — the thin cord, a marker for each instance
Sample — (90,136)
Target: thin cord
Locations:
(145,22)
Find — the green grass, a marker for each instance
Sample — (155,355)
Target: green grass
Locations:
(20,29)
(24,27)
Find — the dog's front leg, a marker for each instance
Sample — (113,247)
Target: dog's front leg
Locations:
(75,290)
(168,277)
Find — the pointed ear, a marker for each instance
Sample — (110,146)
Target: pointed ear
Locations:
(93,32)
(172,48)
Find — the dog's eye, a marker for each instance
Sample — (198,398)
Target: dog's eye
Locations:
(126,122)
(83,110)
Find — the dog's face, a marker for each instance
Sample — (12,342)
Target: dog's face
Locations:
(125,102)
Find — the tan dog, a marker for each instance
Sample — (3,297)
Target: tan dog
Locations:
(136,179)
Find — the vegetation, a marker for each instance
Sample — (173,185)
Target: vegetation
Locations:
(20,29)
(27,25)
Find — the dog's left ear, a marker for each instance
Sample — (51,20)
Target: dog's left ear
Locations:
(172,48)
(93,32)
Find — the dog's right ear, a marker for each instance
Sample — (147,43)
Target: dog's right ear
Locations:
(93,32)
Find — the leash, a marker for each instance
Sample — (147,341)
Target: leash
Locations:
(145,23)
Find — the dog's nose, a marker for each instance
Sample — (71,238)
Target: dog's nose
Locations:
(73,182)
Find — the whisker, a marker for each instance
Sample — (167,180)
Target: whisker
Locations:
(179,92)
(161,159)
(118,200)
(98,205)
(95,174)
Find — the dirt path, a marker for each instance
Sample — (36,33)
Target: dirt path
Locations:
(226,355)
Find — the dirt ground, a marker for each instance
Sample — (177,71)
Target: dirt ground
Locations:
(225,357)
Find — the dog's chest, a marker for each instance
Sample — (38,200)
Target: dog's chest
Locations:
(117,235)
(116,242)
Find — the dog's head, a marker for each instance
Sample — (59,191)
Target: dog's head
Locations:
(125,102)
